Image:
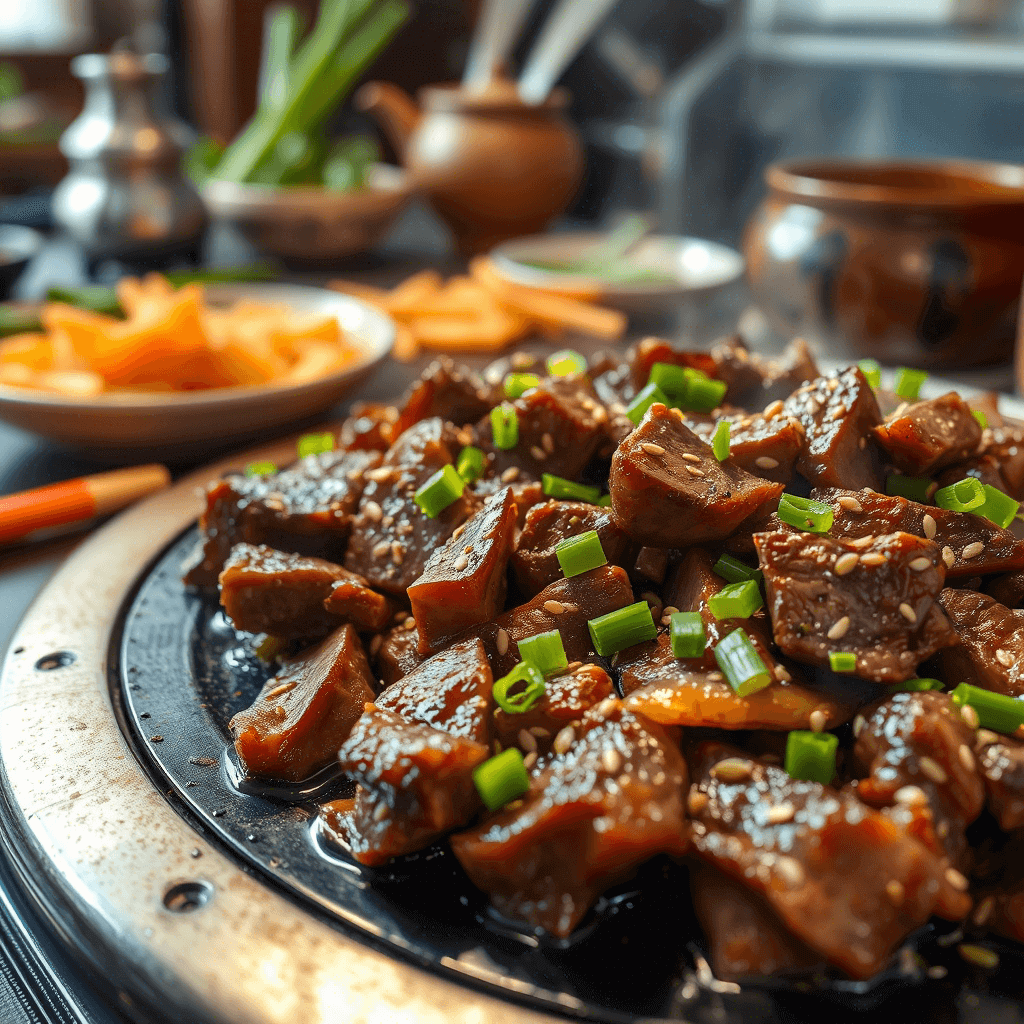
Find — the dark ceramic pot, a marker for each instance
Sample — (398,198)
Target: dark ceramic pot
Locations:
(917,264)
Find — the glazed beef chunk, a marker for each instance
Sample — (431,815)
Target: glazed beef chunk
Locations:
(991,648)
(585,824)
(445,390)
(463,582)
(304,714)
(762,445)
(844,879)
(926,436)
(306,509)
(398,653)
(877,600)
(971,545)
(838,415)
(668,489)
(754,381)
(1001,763)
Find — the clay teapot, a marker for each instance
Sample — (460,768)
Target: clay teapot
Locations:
(492,166)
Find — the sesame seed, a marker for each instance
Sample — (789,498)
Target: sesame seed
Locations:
(846,563)
(920,564)
(948,557)
(966,757)
(838,412)
(373,511)
(732,769)
(929,527)
(380,812)
(862,443)
(781,674)
(501,641)
(894,890)
(937,973)
(397,552)
(862,542)
(972,550)
(817,720)
(527,741)
(510,474)
(538,453)
(780,813)
(850,504)
(970,716)
(611,761)
(773,410)
(606,707)
(838,630)
(548,443)
(934,770)
(696,801)
(987,736)
(555,607)
(1004,657)
(278,690)
(689,457)
(410,624)
(858,725)
(983,911)
(978,955)
(564,739)
(766,462)
(873,558)
(460,563)
(530,760)
(381,549)
(375,645)
(380,474)
(910,796)
(956,879)
(693,471)
(791,870)
(908,613)
(652,449)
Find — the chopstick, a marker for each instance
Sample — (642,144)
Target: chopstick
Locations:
(73,501)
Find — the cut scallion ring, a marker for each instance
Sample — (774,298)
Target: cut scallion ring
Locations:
(916,488)
(580,554)
(842,661)
(805,513)
(703,393)
(964,496)
(732,570)
(260,469)
(315,444)
(517,384)
(995,711)
(565,363)
(605,501)
(997,507)
(470,464)
(518,691)
(908,383)
(544,651)
(645,398)
(916,686)
(811,756)
(567,490)
(872,372)
(736,601)
(501,778)
(505,426)
(720,441)
(444,487)
(981,418)
(686,631)
(672,379)
(622,628)
(740,663)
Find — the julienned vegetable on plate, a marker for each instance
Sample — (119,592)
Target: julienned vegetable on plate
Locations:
(571,616)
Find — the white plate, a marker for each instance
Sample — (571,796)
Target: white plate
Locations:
(168,421)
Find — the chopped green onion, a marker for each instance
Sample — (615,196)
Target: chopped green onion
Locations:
(501,778)
(732,570)
(672,379)
(605,501)
(444,487)
(981,418)
(908,383)
(686,630)
(470,464)
(995,710)
(736,601)
(645,398)
(622,628)
(270,647)
(581,553)
(703,393)
(916,488)
(805,513)
(842,661)
(504,426)
(544,651)
(740,663)
(916,686)
(811,756)
(315,444)
(558,487)
(260,469)
(872,372)
(965,495)
(565,363)
(999,508)
(720,441)
(524,699)
(518,383)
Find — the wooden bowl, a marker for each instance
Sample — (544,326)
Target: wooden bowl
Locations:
(915,263)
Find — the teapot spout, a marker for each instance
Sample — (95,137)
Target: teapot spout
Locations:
(393,109)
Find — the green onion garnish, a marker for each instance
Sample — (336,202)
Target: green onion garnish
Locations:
(622,628)
(981,418)
(605,501)
(965,495)
(915,488)
(504,426)
(995,710)
(444,487)
(580,554)
(740,663)
(842,661)
(908,383)
(501,778)
(811,756)
(916,686)
(686,630)
(703,393)
(518,383)
(315,444)
(736,601)
(672,379)
(558,487)
(997,507)
(470,464)
(805,513)
(872,372)
(565,363)
(522,699)
(260,469)
(645,398)
(545,651)
(720,441)
(732,570)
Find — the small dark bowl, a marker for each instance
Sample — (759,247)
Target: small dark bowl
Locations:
(17,247)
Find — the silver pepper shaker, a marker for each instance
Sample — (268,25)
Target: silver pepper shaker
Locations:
(125,196)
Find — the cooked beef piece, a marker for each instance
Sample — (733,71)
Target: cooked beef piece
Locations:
(652,564)
(525,493)
(668,489)
(838,415)
(587,822)
(415,784)
(1005,444)
(755,382)
(450,691)
(991,648)
(919,739)
(983,467)
(306,509)
(763,446)
(746,939)
(923,437)
(452,392)
(649,351)
(398,653)
(613,379)
(369,426)
(876,600)
(1007,589)
(1001,763)
(566,697)
(783,375)
(535,564)
(463,582)
(293,596)
(842,877)
(970,545)
(304,714)
(392,537)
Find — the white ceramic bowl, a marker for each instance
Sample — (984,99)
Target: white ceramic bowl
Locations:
(175,421)
(689,266)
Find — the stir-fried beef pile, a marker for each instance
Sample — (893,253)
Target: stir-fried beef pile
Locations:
(696,605)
